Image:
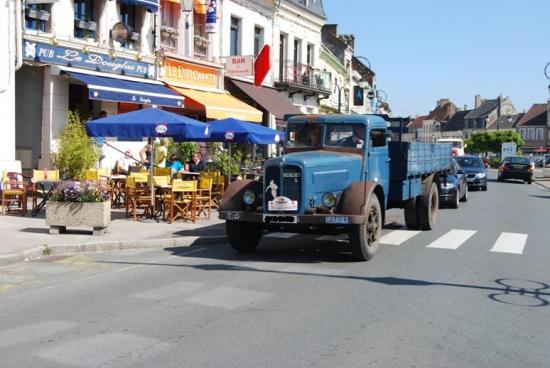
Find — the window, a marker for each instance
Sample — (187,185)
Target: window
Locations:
(297,51)
(303,2)
(129,17)
(37,16)
(540,134)
(170,14)
(345,135)
(234,36)
(304,135)
(84,25)
(258,39)
(530,134)
(378,137)
(523,134)
(310,56)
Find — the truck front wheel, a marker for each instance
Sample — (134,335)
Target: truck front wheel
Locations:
(243,236)
(427,206)
(364,239)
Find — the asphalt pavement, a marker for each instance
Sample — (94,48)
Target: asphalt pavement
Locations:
(471,293)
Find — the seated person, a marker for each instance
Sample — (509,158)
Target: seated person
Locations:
(196,165)
(314,135)
(125,162)
(174,164)
(356,139)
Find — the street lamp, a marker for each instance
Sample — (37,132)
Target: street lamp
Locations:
(364,58)
(339,88)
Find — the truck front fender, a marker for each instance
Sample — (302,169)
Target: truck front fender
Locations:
(356,195)
(232,198)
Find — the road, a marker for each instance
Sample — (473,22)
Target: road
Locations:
(471,293)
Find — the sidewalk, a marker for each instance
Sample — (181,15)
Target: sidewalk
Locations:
(25,238)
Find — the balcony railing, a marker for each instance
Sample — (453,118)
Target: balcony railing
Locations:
(201,42)
(303,76)
(169,39)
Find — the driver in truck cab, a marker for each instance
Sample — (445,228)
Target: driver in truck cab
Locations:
(357,138)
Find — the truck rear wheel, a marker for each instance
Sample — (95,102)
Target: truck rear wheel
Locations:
(427,206)
(364,239)
(411,219)
(243,236)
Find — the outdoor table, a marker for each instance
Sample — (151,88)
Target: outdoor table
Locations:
(46,187)
(119,194)
(188,175)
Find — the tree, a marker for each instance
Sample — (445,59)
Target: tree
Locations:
(77,152)
(485,142)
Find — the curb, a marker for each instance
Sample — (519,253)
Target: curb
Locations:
(105,246)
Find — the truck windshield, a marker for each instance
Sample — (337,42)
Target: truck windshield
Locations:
(304,135)
(345,135)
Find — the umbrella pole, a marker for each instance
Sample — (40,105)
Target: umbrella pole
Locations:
(151,181)
(229,171)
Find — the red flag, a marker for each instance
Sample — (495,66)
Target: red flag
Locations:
(262,64)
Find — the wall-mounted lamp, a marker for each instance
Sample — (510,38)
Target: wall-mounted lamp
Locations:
(186,8)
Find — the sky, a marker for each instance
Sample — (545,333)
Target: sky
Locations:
(425,50)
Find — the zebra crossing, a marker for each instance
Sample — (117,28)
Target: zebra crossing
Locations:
(454,239)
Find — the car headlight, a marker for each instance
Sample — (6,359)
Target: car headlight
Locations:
(329,200)
(480,175)
(249,197)
(448,185)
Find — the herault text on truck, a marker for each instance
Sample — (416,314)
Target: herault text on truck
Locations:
(339,174)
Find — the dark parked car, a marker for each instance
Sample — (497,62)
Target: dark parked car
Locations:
(453,187)
(474,168)
(520,168)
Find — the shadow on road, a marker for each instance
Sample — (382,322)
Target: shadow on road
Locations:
(515,292)
(539,196)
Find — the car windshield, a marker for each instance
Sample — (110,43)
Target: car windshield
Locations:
(517,160)
(304,135)
(345,135)
(470,162)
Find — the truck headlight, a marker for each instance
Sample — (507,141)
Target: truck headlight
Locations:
(329,200)
(249,197)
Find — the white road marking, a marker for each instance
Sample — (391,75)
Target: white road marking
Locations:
(398,237)
(510,243)
(229,298)
(280,235)
(34,332)
(452,240)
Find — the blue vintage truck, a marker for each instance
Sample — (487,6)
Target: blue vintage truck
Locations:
(338,174)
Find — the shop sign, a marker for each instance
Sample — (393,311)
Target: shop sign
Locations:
(508,149)
(239,66)
(190,74)
(45,53)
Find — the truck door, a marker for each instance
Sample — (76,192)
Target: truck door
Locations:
(378,158)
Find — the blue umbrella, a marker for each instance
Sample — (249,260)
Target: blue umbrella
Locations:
(150,122)
(237,131)
(233,130)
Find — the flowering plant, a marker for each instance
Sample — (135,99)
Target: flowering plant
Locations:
(83,192)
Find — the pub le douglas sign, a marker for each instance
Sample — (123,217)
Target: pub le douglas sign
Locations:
(45,53)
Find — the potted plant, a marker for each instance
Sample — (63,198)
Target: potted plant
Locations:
(78,204)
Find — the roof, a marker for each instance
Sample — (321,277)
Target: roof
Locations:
(418,122)
(268,98)
(535,116)
(503,123)
(334,44)
(483,110)
(373,120)
(442,112)
(456,122)
(314,6)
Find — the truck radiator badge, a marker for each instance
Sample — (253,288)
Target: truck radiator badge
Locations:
(279,203)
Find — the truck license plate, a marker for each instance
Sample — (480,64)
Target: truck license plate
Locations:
(280,219)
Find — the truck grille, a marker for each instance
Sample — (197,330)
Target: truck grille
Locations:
(288,181)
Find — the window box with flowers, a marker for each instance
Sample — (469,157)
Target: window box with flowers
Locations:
(168,32)
(78,204)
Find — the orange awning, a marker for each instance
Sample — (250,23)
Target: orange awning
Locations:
(219,105)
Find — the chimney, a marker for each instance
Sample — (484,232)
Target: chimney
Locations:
(478,101)
(465,107)
(331,28)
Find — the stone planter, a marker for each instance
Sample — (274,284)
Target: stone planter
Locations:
(59,215)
